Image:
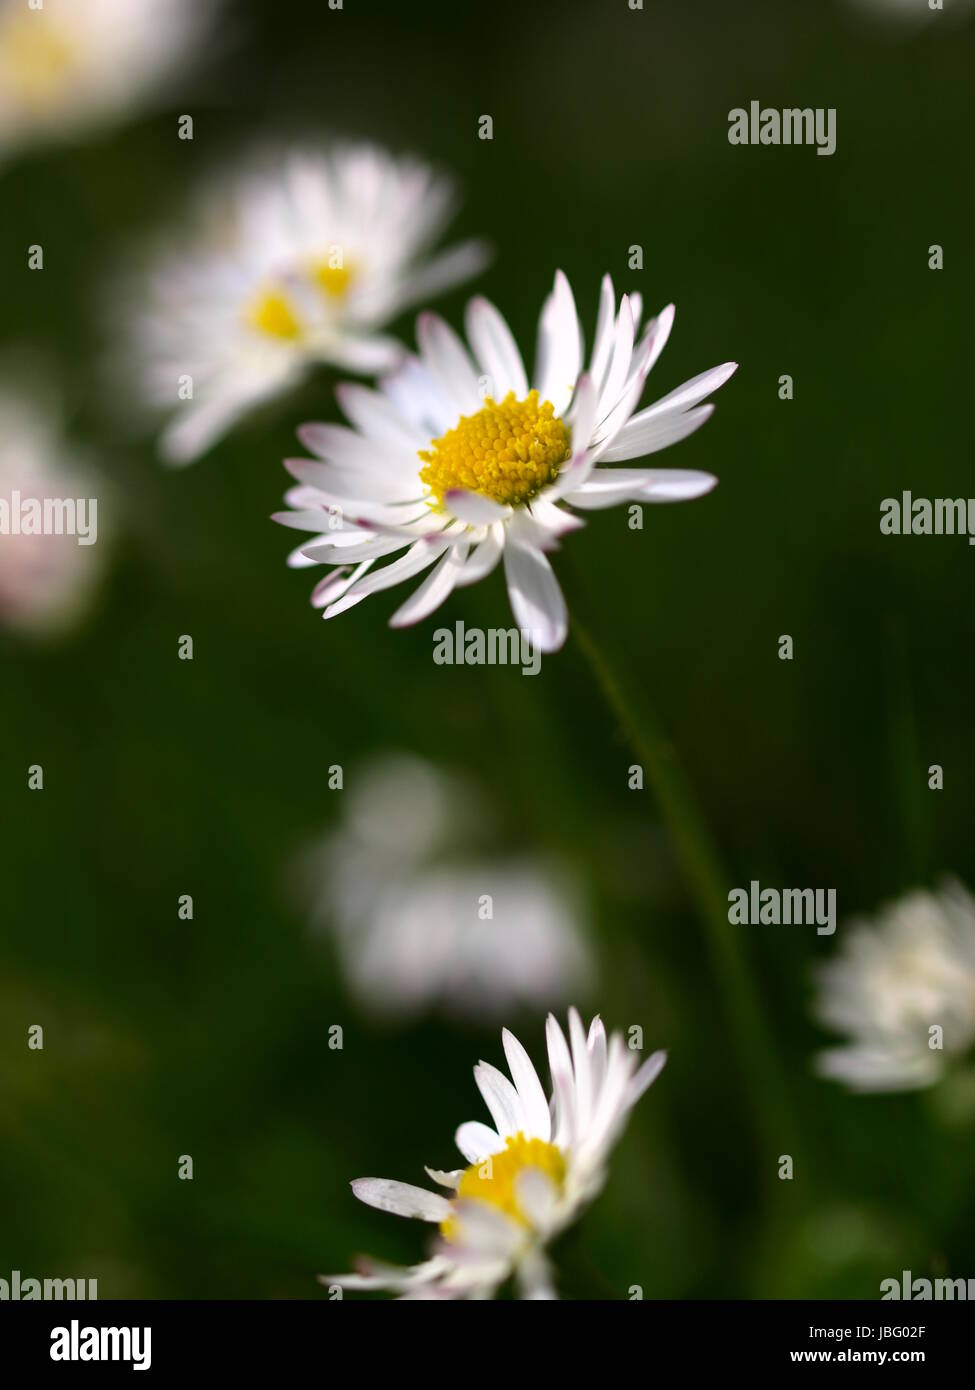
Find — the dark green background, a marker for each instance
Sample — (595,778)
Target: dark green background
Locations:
(164,777)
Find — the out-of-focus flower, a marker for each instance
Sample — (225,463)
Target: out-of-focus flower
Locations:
(459,464)
(420,922)
(903,989)
(51,551)
(529,1176)
(76,64)
(302,257)
(911,14)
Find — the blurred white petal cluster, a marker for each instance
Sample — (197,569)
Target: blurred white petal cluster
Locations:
(398,887)
(67,66)
(299,257)
(46,581)
(899,987)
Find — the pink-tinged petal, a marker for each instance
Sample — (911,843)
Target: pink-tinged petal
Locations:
(689,394)
(645,1077)
(602,347)
(654,435)
(417,558)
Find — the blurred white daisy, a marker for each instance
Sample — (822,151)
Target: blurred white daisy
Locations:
(903,989)
(301,257)
(419,921)
(71,65)
(911,14)
(460,463)
(529,1174)
(46,580)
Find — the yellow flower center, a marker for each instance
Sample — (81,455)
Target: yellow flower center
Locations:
(272,315)
(493,1179)
(332,279)
(508,451)
(36,56)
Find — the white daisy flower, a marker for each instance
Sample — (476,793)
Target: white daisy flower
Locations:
(529,1174)
(461,463)
(75,64)
(46,580)
(397,887)
(903,990)
(300,258)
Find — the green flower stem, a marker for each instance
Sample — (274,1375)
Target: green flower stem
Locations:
(709,886)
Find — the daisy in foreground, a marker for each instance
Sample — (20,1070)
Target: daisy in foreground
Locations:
(528,1177)
(300,257)
(903,990)
(460,462)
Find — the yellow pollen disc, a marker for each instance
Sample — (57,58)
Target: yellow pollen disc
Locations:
(272,314)
(333,280)
(36,56)
(508,451)
(493,1179)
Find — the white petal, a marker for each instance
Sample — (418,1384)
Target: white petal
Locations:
(401,1198)
(581,1070)
(690,394)
(474,508)
(536,1196)
(476,1141)
(645,1077)
(559,356)
(501,1099)
(447,358)
(656,434)
(433,591)
(529,1088)
(376,416)
(536,599)
(483,558)
(495,349)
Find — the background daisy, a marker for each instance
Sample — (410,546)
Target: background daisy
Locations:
(303,256)
(421,918)
(902,987)
(70,65)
